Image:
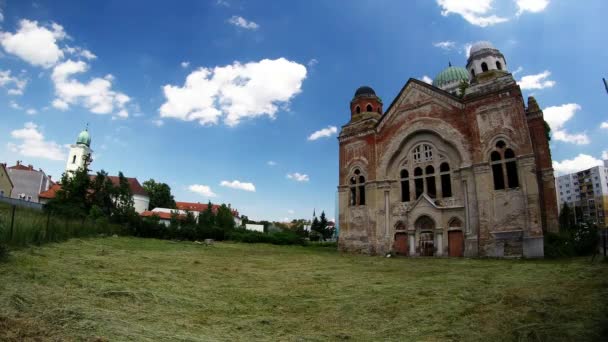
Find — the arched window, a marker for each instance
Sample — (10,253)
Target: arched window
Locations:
(446,180)
(484,67)
(498,65)
(503,162)
(511,166)
(357,188)
(379,111)
(423,153)
(473,72)
(418,181)
(455,223)
(369,108)
(405,186)
(431,189)
(74,159)
(357,109)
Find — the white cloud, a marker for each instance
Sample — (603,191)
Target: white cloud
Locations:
(222,3)
(79,52)
(234,91)
(31,111)
(604,125)
(323,133)
(202,190)
(517,71)
(35,44)
(557,116)
(17,85)
(185,64)
(15,105)
(158,122)
(533,6)
(298,177)
(604,155)
(271,163)
(446,45)
(426,79)
(97,95)
(235,184)
(538,81)
(243,23)
(467,49)
(291,212)
(578,163)
(476,12)
(33,144)
(311,63)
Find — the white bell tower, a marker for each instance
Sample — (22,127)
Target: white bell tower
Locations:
(80,153)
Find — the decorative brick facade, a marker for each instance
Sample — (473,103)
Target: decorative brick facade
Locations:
(431,168)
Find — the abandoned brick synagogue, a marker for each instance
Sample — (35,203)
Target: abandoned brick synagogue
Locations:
(461,167)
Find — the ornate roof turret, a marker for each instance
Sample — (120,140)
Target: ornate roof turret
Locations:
(450,78)
(84,138)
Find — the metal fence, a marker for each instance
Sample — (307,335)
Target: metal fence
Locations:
(22,226)
(22,203)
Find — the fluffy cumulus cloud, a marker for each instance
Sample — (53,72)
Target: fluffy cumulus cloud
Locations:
(80,52)
(476,12)
(298,177)
(557,116)
(271,163)
(446,45)
(35,44)
(243,23)
(323,133)
(538,81)
(96,95)
(578,163)
(15,85)
(426,79)
(202,190)
(604,125)
(185,64)
(31,143)
(234,92)
(533,6)
(235,184)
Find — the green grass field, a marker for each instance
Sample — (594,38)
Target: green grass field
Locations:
(128,289)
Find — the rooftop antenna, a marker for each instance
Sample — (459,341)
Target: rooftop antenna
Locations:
(86,127)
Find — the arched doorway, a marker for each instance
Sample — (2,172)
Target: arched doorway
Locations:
(426,242)
(401,245)
(455,238)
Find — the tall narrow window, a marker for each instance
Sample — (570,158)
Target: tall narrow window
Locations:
(446,180)
(511,166)
(484,67)
(431,189)
(74,160)
(405,186)
(361,190)
(358,109)
(473,72)
(369,108)
(499,178)
(498,65)
(418,182)
(353,191)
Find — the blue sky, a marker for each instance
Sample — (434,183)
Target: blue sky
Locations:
(220,99)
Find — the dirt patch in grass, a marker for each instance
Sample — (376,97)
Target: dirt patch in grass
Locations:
(151,290)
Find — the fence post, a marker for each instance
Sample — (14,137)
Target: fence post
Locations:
(13,221)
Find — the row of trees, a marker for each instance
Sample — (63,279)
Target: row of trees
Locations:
(575,237)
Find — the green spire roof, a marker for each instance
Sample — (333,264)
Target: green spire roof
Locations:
(449,75)
(84,138)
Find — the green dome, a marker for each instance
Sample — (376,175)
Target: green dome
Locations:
(84,138)
(449,75)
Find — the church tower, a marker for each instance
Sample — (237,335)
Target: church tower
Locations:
(80,153)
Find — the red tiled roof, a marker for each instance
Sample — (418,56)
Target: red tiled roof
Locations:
(160,214)
(200,207)
(51,192)
(22,167)
(136,188)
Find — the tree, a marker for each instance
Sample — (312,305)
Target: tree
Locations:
(224,217)
(72,198)
(160,194)
(206,219)
(102,193)
(123,199)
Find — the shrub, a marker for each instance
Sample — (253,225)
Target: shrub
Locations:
(277,238)
(578,240)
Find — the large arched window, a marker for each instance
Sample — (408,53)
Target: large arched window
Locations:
(418,181)
(405,186)
(358,109)
(369,107)
(484,67)
(357,188)
(446,181)
(498,65)
(504,162)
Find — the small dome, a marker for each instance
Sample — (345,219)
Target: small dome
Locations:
(450,75)
(365,90)
(84,138)
(480,46)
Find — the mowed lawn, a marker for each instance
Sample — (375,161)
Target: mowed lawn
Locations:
(129,289)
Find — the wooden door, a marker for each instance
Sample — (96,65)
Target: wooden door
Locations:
(455,243)
(401,246)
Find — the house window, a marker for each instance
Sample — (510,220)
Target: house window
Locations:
(405,186)
(74,159)
(357,188)
(484,67)
(503,162)
(423,153)
(418,181)
(369,108)
(431,190)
